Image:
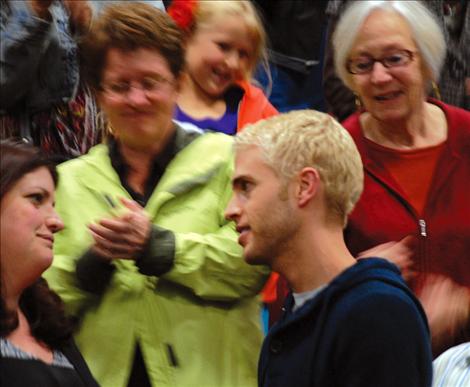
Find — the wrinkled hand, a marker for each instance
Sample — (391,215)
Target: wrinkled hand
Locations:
(123,236)
(447,307)
(81,14)
(399,253)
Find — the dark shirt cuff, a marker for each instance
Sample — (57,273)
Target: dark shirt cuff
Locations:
(93,272)
(158,255)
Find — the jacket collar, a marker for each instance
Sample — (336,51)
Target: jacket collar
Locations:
(457,141)
(178,177)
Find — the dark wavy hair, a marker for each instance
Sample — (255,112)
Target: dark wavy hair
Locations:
(42,308)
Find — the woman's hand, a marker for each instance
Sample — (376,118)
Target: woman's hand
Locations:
(123,236)
(447,307)
(399,253)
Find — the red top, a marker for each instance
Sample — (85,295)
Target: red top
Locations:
(384,212)
(412,170)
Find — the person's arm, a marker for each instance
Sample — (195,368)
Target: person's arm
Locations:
(397,252)
(24,37)
(383,340)
(204,256)
(209,264)
(447,306)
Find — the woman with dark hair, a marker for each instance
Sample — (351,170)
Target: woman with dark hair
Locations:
(35,336)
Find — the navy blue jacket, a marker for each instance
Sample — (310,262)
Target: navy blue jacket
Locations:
(365,328)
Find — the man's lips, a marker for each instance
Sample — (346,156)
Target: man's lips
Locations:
(243,231)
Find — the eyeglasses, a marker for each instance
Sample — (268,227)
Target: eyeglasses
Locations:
(149,85)
(364,64)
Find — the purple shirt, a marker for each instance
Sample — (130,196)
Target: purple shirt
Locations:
(227,123)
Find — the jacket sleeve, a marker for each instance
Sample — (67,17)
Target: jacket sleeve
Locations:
(211,264)
(24,38)
(208,263)
(383,341)
(71,245)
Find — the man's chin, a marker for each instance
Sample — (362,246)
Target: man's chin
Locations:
(256,259)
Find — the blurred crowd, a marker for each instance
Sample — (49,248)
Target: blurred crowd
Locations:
(140,242)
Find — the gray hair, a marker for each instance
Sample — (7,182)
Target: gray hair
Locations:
(425,28)
(307,138)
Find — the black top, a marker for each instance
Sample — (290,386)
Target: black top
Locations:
(18,371)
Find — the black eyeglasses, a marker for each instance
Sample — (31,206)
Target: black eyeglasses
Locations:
(364,64)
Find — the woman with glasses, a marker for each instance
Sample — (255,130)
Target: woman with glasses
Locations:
(416,155)
(147,262)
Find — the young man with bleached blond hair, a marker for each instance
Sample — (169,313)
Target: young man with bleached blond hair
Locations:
(346,323)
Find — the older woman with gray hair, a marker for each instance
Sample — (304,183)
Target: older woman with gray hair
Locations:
(416,155)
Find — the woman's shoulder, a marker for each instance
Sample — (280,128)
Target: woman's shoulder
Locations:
(213,143)
(454,114)
(96,153)
(71,352)
(353,123)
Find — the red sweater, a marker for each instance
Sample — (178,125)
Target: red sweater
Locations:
(443,231)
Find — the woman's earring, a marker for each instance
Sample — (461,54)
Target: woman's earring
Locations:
(435,90)
(104,126)
(358,102)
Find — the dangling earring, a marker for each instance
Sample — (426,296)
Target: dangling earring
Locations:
(435,90)
(108,130)
(104,126)
(357,102)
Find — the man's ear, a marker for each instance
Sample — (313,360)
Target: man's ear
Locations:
(308,185)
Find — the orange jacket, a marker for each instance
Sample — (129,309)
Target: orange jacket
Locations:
(254,105)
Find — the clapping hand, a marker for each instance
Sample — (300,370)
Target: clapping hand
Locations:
(399,253)
(447,307)
(122,236)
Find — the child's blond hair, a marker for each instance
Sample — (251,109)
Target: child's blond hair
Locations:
(192,16)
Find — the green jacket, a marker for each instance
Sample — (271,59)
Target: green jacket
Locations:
(198,323)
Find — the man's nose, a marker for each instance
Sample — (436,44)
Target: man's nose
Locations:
(232,212)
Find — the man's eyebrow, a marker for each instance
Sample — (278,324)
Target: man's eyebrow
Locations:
(240,179)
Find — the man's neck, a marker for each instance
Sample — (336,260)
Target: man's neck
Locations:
(316,259)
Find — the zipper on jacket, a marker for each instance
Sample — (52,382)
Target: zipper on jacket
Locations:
(422,228)
(171,355)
